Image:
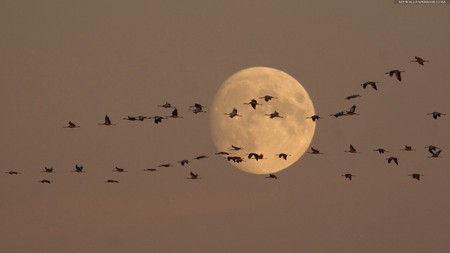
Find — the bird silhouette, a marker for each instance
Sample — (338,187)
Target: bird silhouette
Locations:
(45,181)
(283,155)
(197,108)
(107,122)
(174,114)
(183,162)
(157,119)
(193,176)
(112,181)
(201,157)
(353,96)
(370,83)
(117,169)
(381,150)
(166,165)
(314,117)
(72,125)
(397,74)
(222,153)
(272,176)
(274,114)
(132,118)
(338,114)
(314,151)
(13,172)
(150,169)
(392,158)
(435,154)
(255,156)
(267,98)
(236,148)
(348,176)
(436,115)
(165,105)
(419,60)
(408,148)
(416,176)
(432,148)
(351,150)
(48,170)
(233,113)
(78,168)
(352,111)
(236,159)
(253,103)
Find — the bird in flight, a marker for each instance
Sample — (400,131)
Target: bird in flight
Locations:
(339,114)
(201,157)
(348,176)
(435,154)
(352,111)
(283,155)
(166,105)
(272,176)
(183,162)
(13,172)
(166,165)
(157,119)
(253,103)
(255,155)
(72,125)
(112,181)
(233,113)
(78,168)
(174,114)
(370,83)
(48,170)
(45,181)
(197,108)
(222,153)
(150,169)
(397,74)
(117,169)
(236,159)
(353,96)
(392,158)
(351,150)
(408,148)
(236,148)
(107,122)
(436,114)
(193,176)
(314,117)
(416,176)
(274,114)
(267,98)
(381,150)
(314,151)
(419,60)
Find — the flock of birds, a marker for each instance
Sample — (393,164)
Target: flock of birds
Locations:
(229,156)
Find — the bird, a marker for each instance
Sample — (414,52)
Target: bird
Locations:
(397,73)
(255,155)
(392,158)
(117,169)
(174,114)
(193,176)
(338,114)
(431,148)
(253,103)
(352,111)
(314,117)
(419,60)
(157,119)
(233,113)
(274,114)
(236,159)
(48,170)
(107,122)
(132,118)
(13,172)
(183,162)
(78,168)
(166,165)
(197,108)
(408,148)
(150,169)
(352,149)
(416,176)
(236,148)
(348,175)
(381,150)
(45,181)
(267,98)
(72,125)
(436,114)
(283,155)
(371,83)
(201,157)
(314,151)
(111,181)
(435,154)
(222,153)
(273,176)
(353,96)
(141,118)
(166,105)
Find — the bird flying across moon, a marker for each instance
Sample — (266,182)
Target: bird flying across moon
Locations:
(257,132)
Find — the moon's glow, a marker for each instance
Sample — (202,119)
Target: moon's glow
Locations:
(257,132)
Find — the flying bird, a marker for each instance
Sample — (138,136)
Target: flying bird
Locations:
(314,151)
(236,148)
(157,119)
(436,114)
(338,114)
(352,149)
(274,114)
(353,96)
(72,125)
(419,60)
(45,181)
(352,111)
(174,114)
(166,105)
(253,103)
(112,181)
(408,148)
(78,168)
(256,156)
(183,162)
(13,172)
(107,122)
(314,117)
(197,108)
(201,157)
(415,176)
(193,176)
(435,154)
(236,159)
(233,113)
(392,158)
(273,176)
(431,148)
(381,150)
(370,83)
(222,153)
(397,74)
(267,98)
(117,169)
(132,118)
(150,169)
(348,175)
(48,170)
(166,165)
(283,155)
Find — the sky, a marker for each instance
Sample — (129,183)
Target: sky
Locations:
(67,61)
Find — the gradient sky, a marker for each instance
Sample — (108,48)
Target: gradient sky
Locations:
(80,60)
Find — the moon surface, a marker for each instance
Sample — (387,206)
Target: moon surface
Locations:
(256,132)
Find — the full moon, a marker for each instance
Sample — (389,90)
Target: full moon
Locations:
(254,130)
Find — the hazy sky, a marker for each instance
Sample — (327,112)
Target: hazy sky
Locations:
(80,60)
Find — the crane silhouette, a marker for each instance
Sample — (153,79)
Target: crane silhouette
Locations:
(416,176)
(272,176)
(348,176)
(397,74)
(45,181)
(392,158)
(193,176)
(370,83)
(72,125)
(315,151)
(381,150)
(351,150)
(267,98)
(112,181)
(233,113)
(282,155)
(419,60)
(253,103)
(107,122)
(274,114)
(436,115)
(353,96)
